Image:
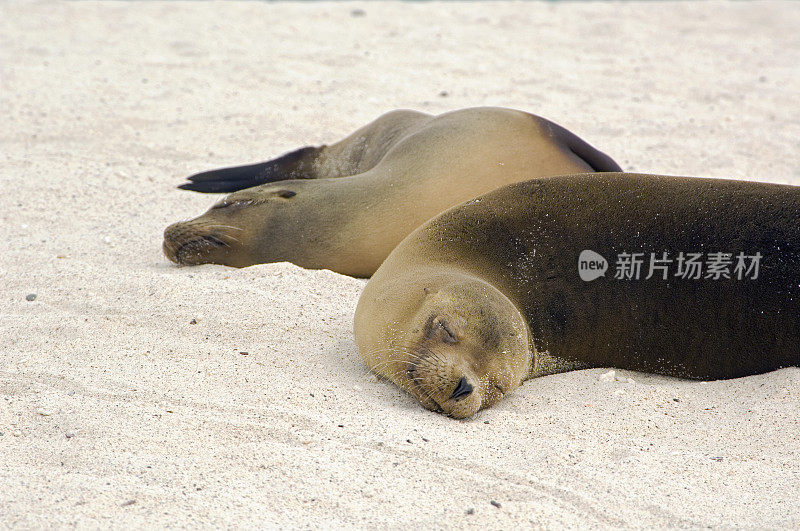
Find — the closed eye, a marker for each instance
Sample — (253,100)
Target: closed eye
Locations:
(439,327)
(450,336)
(227,204)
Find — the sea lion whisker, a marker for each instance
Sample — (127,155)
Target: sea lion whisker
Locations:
(387,362)
(381,367)
(425,394)
(407,366)
(402,383)
(218,226)
(395,350)
(229,236)
(432,352)
(392,350)
(411,385)
(212,239)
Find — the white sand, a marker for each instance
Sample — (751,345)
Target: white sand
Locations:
(117,412)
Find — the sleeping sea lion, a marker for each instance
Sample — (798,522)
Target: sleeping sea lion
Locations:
(686,277)
(344,207)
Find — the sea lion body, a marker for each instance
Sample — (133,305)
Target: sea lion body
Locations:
(489,293)
(344,207)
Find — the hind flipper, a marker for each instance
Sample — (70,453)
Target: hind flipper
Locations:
(352,155)
(298,164)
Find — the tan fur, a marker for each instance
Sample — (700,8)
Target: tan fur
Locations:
(494,355)
(358,198)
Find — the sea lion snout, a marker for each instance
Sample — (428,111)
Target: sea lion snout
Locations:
(193,243)
(442,383)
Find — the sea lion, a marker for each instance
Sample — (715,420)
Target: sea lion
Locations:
(541,277)
(344,207)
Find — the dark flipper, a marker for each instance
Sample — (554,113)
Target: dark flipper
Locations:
(298,164)
(598,160)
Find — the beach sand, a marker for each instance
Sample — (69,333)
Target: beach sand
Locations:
(136,393)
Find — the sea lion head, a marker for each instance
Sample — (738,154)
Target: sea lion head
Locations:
(462,348)
(232,232)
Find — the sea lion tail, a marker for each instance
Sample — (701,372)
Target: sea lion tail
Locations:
(598,160)
(298,164)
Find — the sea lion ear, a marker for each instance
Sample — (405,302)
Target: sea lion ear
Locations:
(441,328)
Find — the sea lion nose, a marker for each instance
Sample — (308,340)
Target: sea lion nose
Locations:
(462,389)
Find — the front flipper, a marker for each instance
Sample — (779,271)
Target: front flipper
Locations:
(298,164)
